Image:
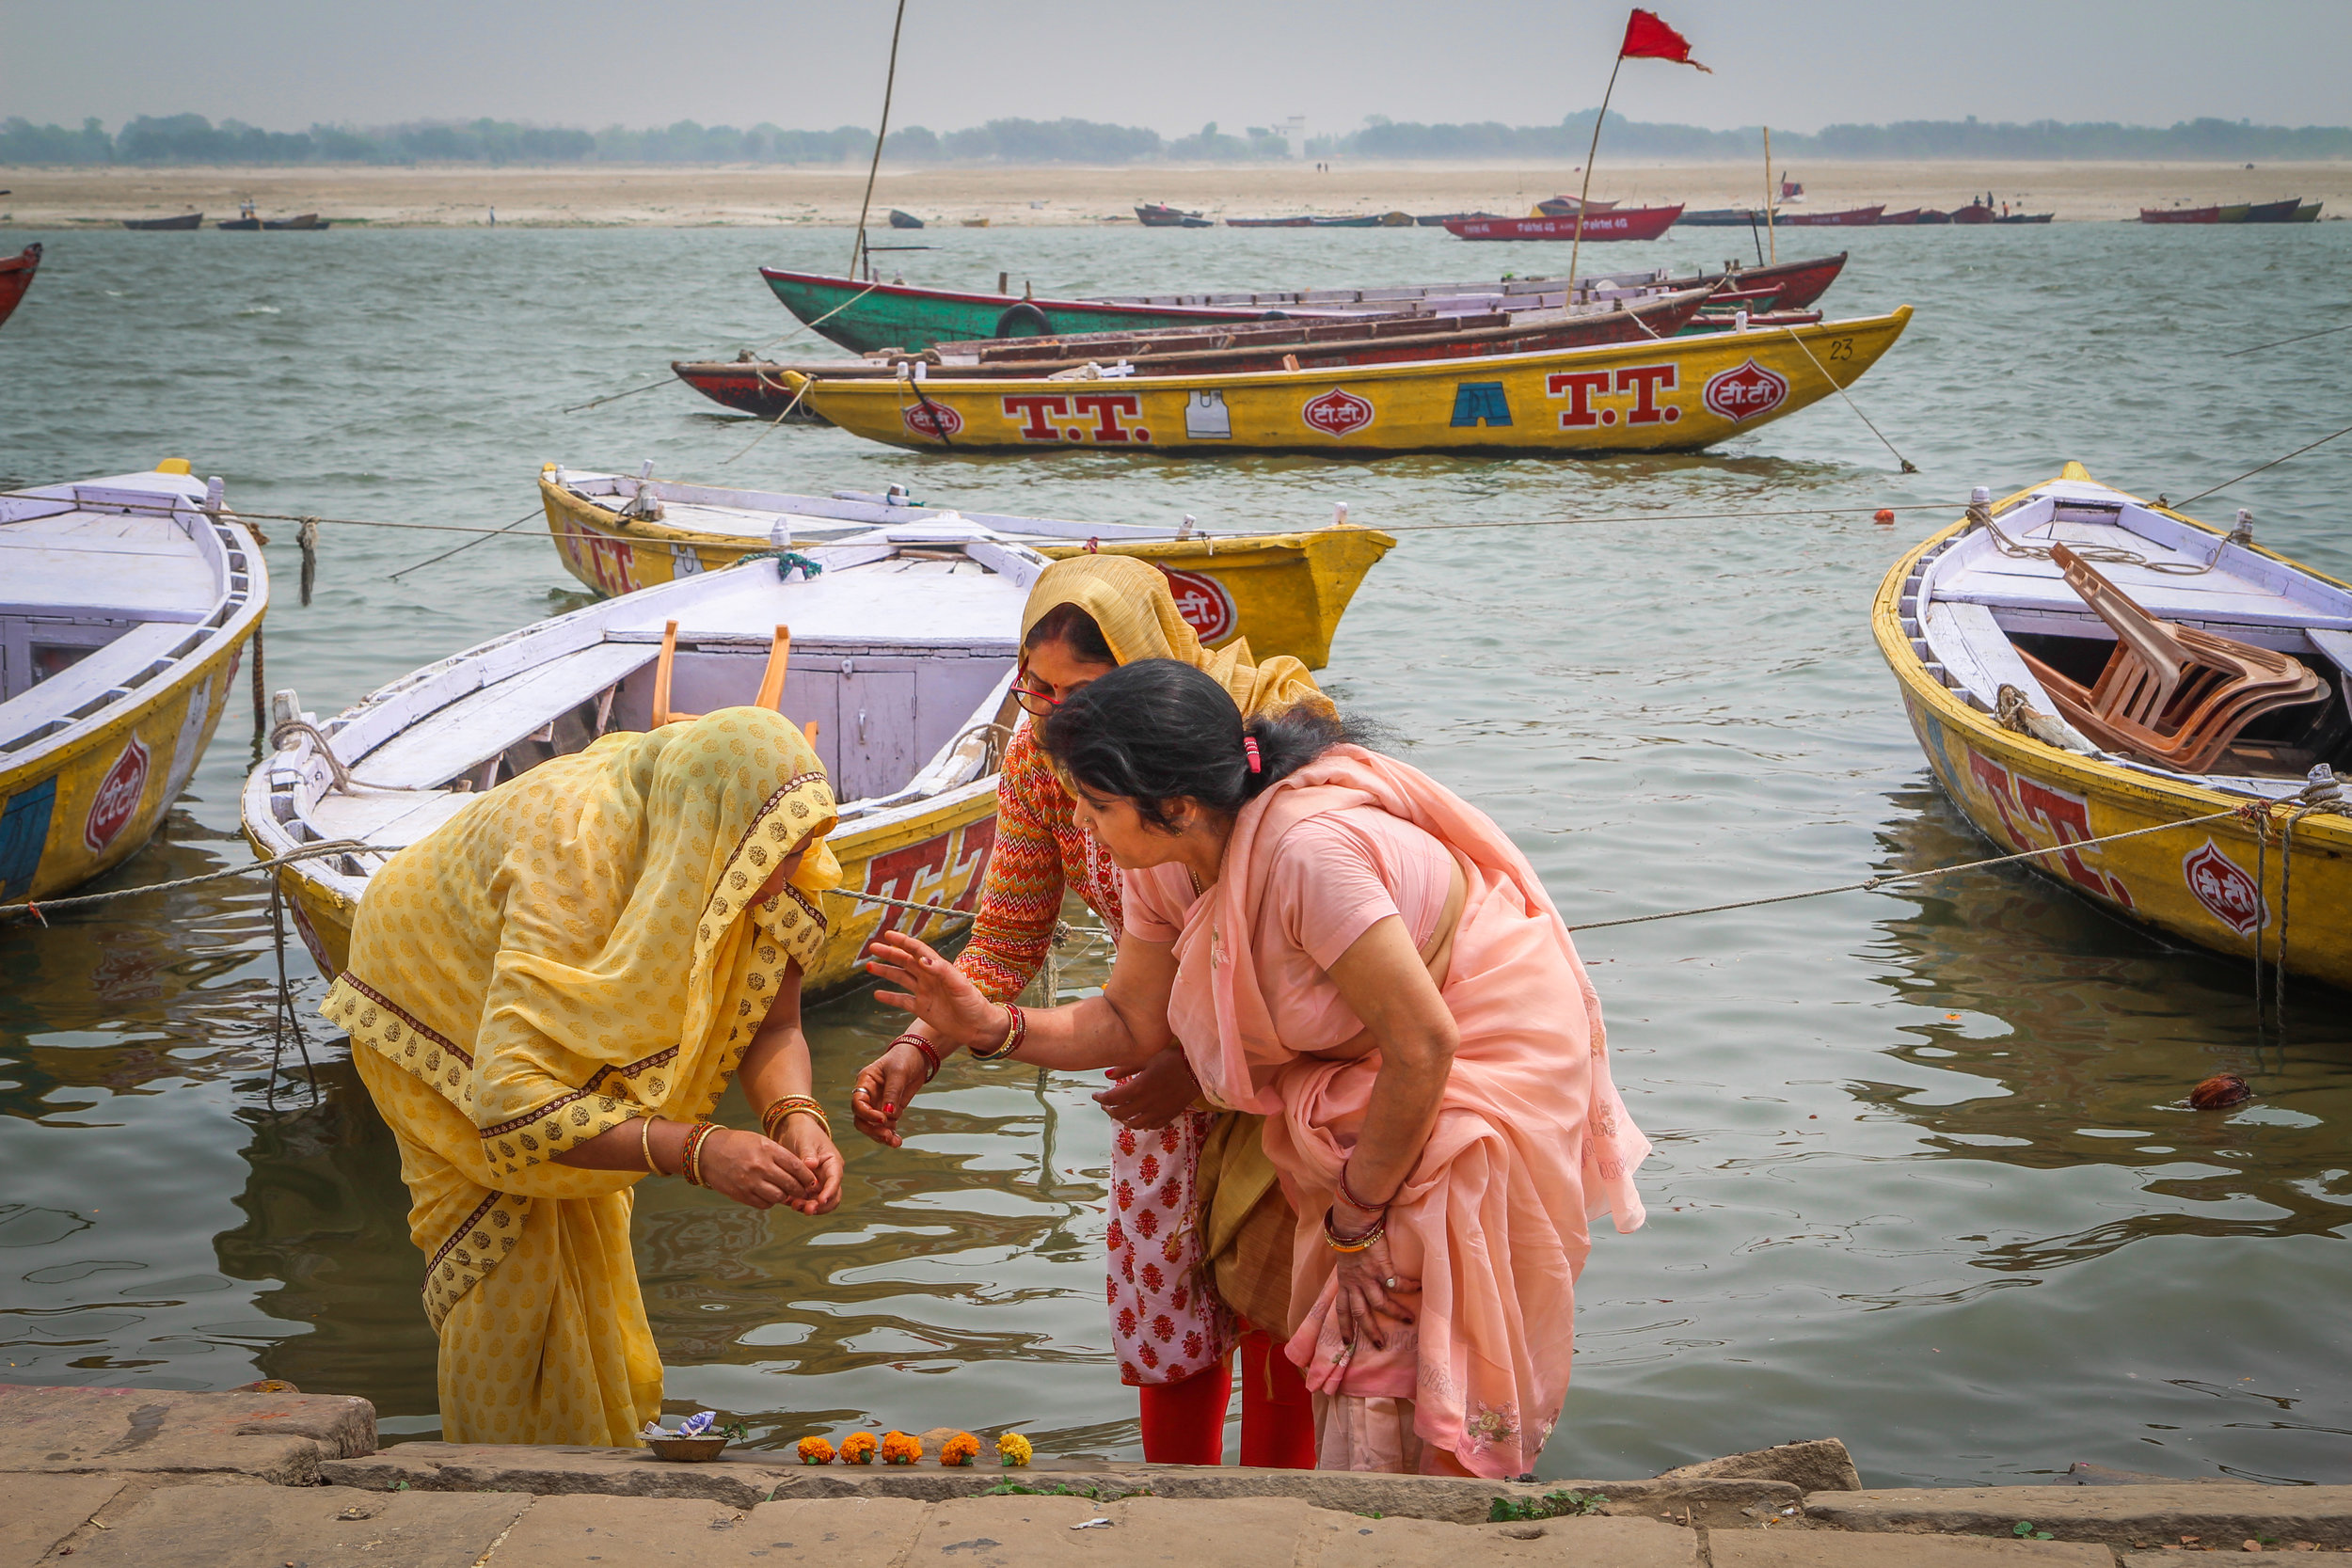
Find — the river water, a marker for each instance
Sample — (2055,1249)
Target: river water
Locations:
(1921,1179)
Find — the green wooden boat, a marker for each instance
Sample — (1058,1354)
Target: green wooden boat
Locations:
(864,317)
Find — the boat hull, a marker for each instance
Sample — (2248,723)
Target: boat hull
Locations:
(1680,395)
(1284,592)
(2210,884)
(1858,217)
(864,318)
(1627,223)
(2180,215)
(16,275)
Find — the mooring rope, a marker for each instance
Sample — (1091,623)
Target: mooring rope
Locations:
(807,381)
(38,909)
(1909,466)
(2272,464)
(780,337)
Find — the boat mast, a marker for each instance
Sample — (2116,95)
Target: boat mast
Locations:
(1771,219)
(857,246)
(1577,244)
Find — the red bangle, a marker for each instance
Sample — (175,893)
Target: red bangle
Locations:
(925,1047)
(1016,1031)
(690,1157)
(1349,1197)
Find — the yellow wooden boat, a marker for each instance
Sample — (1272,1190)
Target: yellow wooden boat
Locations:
(1676,395)
(1980,609)
(1284,592)
(125,605)
(901,654)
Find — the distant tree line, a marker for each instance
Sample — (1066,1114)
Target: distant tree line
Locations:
(194,139)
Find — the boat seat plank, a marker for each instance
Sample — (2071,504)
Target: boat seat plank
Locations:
(1971,645)
(480,724)
(2161,598)
(393,817)
(2337,645)
(88,679)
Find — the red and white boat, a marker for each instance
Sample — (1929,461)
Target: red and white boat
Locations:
(1624,223)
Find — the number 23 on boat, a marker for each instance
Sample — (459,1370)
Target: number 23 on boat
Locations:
(1674,395)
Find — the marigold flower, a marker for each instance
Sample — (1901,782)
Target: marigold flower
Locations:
(959,1450)
(858,1449)
(898,1449)
(1012,1450)
(815,1450)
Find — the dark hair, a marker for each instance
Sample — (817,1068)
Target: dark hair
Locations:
(1069,625)
(1159,731)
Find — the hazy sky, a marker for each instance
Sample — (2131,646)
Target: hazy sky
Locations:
(284,64)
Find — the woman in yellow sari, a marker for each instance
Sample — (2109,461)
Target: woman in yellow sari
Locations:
(1201,1234)
(546,997)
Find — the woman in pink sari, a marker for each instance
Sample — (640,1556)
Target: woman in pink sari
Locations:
(1349,949)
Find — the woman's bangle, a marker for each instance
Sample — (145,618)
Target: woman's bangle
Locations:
(1348,1195)
(691,1165)
(1016,1031)
(644,1145)
(772,1121)
(930,1055)
(1361,1242)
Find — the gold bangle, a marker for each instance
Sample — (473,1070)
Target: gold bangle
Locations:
(644,1145)
(1348,1245)
(772,1121)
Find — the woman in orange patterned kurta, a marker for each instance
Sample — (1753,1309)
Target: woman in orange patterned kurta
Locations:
(1086,616)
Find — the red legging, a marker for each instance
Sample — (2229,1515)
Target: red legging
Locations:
(1184,1423)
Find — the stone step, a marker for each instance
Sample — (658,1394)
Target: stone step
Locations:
(2154,1515)
(281,1439)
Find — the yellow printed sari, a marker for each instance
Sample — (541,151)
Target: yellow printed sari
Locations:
(579,948)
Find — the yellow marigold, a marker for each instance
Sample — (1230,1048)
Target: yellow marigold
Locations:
(960,1449)
(1012,1449)
(815,1450)
(858,1449)
(898,1449)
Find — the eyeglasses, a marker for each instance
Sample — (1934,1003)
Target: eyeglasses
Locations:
(1034,702)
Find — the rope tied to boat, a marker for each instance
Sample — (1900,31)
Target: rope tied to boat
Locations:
(807,381)
(1981,514)
(787,562)
(2322,792)
(38,909)
(301,728)
(1909,466)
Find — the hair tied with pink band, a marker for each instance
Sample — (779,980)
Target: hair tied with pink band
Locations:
(1250,750)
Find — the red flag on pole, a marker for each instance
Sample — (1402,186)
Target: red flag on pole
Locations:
(1648,39)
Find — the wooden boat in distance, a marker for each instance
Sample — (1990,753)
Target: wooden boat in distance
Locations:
(301,220)
(1976,212)
(1359,220)
(1565,206)
(2274,212)
(904,220)
(1991,645)
(2306,212)
(1159,214)
(901,655)
(1935,214)
(1900,220)
(1284,592)
(1854,217)
(1722,217)
(1680,395)
(1438,220)
(185,220)
(125,604)
(2025,217)
(1791,285)
(765,387)
(16,275)
(2180,215)
(1625,223)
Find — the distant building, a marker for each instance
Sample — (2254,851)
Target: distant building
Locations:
(1294,131)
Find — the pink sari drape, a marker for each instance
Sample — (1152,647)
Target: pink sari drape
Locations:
(1532,1140)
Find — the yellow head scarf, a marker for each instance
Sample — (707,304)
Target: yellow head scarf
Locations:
(572,950)
(1129,600)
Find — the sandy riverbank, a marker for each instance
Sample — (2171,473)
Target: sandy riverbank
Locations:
(760,196)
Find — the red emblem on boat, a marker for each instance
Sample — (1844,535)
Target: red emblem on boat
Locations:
(2224,889)
(1337,413)
(1204,603)
(935,420)
(1745,392)
(117,798)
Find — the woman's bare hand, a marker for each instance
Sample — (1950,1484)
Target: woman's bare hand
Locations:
(1153,1095)
(805,1138)
(935,991)
(1367,1303)
(885,1087)
(757,1174)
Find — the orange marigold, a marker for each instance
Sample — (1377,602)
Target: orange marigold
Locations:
(815,1450)
(898,1449)
(960,1449)
(858,1449)
(1012,1450)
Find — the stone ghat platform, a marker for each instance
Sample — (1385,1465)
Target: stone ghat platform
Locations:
(101,1477)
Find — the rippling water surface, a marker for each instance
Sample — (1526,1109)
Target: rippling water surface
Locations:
(1921,1178)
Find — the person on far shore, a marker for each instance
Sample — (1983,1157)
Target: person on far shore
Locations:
(1344,946)
(546,997)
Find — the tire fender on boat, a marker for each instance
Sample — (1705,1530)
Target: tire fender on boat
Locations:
(1023,320)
